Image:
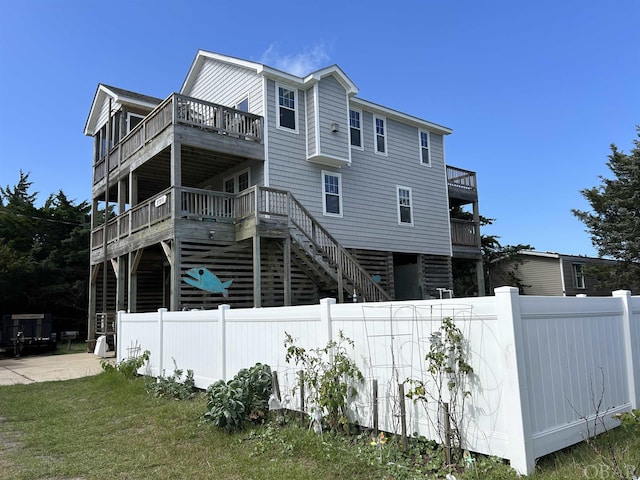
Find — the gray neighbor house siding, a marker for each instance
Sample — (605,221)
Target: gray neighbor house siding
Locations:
(554,274)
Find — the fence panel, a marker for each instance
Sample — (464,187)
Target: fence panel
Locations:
(539,363)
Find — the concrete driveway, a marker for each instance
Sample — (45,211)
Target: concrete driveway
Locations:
(45,368)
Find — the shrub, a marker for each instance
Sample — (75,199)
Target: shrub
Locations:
(330,374)
(245,397)
(128,367)
(173,386)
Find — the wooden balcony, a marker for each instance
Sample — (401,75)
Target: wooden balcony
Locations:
(197,119)
(257,210)
(462,185)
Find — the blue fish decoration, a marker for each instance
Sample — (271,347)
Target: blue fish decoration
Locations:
(204,279)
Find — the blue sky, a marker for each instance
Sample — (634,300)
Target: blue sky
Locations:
(535,91)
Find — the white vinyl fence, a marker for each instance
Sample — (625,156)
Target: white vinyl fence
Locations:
(540,363)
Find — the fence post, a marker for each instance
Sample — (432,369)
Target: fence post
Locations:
(325,316)
(118,336)
(222,311)
(631,334)
(161,312)
(515,395)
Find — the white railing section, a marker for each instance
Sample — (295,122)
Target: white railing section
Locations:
(539,362)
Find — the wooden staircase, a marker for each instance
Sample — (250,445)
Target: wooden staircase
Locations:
(328,263)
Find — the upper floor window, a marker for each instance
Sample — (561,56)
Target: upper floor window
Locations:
(425,148)
(133,119)
(237,182)
(355,128)
(332,194)
(286,107)
(243,105)
(380,135)
(578,275)
(405,213)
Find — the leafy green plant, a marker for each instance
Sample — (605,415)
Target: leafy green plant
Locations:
(173,386)
(244,398)
(128,367)
(224,405)
(330,375)
(447,385)
(256,390)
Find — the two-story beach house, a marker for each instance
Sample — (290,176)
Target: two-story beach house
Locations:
(255,187)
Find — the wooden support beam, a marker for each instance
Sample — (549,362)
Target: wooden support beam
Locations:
(132,278)
(167,252)
(257,274)
(95,270)
(287,271)
(133,268)
(114,265)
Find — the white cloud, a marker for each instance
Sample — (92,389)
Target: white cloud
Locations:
(299,64)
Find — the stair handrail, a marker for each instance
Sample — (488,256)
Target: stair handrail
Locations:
(333,250)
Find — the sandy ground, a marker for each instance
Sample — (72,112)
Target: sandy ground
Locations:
(45,368)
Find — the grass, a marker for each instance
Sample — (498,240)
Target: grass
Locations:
(108,427)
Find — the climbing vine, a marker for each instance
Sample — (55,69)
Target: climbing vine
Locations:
(447,383)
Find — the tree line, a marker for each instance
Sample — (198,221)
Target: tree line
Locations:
(44,255)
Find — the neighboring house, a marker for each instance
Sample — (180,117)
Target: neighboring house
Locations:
(255,187)
(548,273)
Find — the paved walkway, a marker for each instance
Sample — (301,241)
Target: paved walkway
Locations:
(45,368)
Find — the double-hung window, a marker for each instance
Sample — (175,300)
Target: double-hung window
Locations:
(578,275)
(425,148)
(332,194)
(287,100)
(380,135)
(405,206)
(355,128)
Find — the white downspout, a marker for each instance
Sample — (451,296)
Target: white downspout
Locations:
(564,290)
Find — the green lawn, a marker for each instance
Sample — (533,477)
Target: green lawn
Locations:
(108,427)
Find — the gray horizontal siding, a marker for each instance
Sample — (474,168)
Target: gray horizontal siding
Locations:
(226,84)
(312,128)
(541,276)
(333,108)
(370,219)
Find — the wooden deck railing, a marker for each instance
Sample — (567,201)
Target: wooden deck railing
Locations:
(459,178)
(273,203)
(464,232)
(180,109)
(261,203)
(195,204)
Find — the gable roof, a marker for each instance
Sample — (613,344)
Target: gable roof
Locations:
(119,96)
(306,82)
(269,72)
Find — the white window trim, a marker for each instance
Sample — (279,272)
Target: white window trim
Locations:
(295,110)
(235,177)
(375,135)
(129,115)
(324,193)
(428,133)
(574,271)
(361,147)
(242,99)
(400,222)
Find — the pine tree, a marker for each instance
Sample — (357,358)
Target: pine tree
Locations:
(614,219)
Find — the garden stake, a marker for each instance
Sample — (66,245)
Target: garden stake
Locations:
(403,416)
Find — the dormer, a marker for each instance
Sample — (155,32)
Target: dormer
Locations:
(327,103)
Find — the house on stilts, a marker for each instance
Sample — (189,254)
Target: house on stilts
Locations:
(255,187)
